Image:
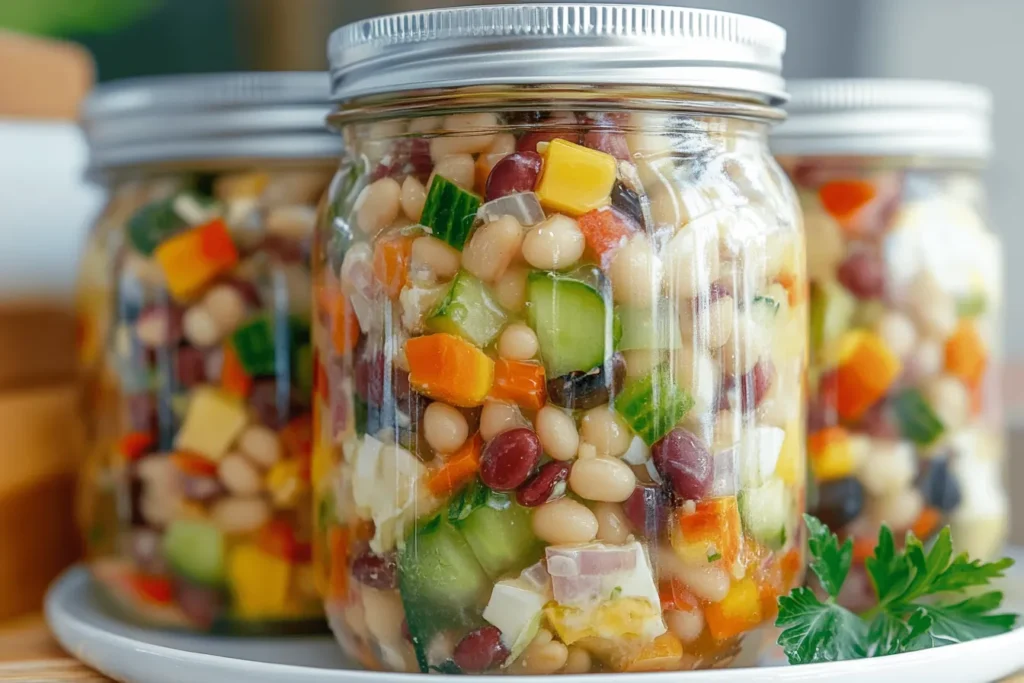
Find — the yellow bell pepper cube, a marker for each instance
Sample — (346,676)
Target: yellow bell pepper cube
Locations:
(831,454)
(575,179)
(738,612)
(710,533)
(867,368)
(789,467)
(213,422)
(192,259)
(661,654)
(284,484)
(618,618)
(259,582)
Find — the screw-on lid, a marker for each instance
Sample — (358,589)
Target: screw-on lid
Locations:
(866,117)
(577,44)
(209,117)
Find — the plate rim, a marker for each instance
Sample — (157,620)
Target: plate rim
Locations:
(65,625)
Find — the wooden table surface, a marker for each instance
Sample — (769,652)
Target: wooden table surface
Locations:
(29,653)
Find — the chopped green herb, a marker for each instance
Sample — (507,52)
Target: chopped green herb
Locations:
(616,592)
(916,608)
(714,557)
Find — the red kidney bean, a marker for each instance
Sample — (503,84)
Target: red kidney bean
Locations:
(647,510)
(283,249)
(685,463)
(200,604)
(879,422)
(200,488)
(376,571)
(562,125)
(171,315)
(141,410)
(754,385)
(509,458)
(547,484)
(479,650)
(189,366)
(266,401)
(863,273)
(517,172)
(608,141)
(586,390)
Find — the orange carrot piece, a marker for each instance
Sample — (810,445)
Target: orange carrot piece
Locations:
(738,612)
(192,464)
(966,357)
(391,257)
(796,290)
(863,548)
(661,654)
(233,377)
(605,230)
(927,522)
(457,470)
(277,538)
(337,583)
(134,444)
(712,528)
(520,382)
(450,369)
(867,368)
(844,198)
(344,325)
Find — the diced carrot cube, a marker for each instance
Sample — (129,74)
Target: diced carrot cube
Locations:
(135,444)
(966,357)
(605,230)
(192,259)
(661,654)
(927,522)
(867,368)
(277,538)
(520,382)
(234,380)
(194,465)
(391,257)
(450,369)
(844,198)
(711,532)
(154,589)
(738,612)
(458,470)
(344,325)
(337,585)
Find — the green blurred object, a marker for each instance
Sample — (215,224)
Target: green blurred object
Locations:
(59,18)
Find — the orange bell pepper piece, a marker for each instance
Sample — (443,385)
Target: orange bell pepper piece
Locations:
(796,290)
(391,257)
(927,522)
(233,377)
(863,548)
(966,357)
(194,465)
(450,369)
(277,538)
(712,529)
(844,198)
(154,589)
(605,230)
(337,585)
(830,454)
(520,382)
(134,444)
(457,470)
(192,259)
(344,325)
(738,612)
(867,368)
(661,654)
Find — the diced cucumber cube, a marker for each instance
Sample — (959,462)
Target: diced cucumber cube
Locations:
(450,211)
(573,322)
(653,405)
(469,311)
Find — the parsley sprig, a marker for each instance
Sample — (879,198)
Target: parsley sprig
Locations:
(920,600)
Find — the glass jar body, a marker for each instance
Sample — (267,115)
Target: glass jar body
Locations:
(195,346)
(562,351)
(905,424)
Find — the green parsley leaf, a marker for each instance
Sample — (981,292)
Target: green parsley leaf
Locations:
(913,611)
(714,557)
(831,561)
(814,631)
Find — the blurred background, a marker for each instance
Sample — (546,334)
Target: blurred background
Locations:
(39,239)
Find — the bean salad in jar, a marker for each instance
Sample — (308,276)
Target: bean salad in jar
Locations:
(558,416)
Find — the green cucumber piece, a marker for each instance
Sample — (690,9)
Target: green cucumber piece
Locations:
(765,512)
(441,583)
(917,421)
(500,534)
(154,224)
(764,309)
(469,311)
(254,344)
(647,328)
(972,305)
(832,310)
(450,211)
(195,550)
(302,369)
(653,405)
(572,321)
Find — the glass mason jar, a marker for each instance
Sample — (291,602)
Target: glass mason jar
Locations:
(195,318)
(561,340)
(904,420)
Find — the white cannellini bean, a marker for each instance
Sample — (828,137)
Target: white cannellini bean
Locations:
(444,427)
(492,247)
(606,431)
(612,525)
(708,582)
(518,342)
(685,625)
(640,362)
(293,222)
(227,306)
(749,341)
(239,475)
(720,316)
(554,244)
(384,614)
(468,134)
(424,124)
(887,467)
(931,306)
(200,327)
(564,521)
(602,479)
(152,329)
(239,515)
(434,256)
(635,273)
(413,197)
(510,288)
(898,333)
(504,143)
(261,444)
(899,510)
(497,417)
(692,259)
(557,433)
(458,168)
(698,373)
(378,205)
(926,360)
(950,400)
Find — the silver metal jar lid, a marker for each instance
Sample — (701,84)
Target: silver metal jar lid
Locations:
(209,117)
(878,117)
(577,44)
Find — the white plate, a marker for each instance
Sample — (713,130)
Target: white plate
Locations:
(131,654)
